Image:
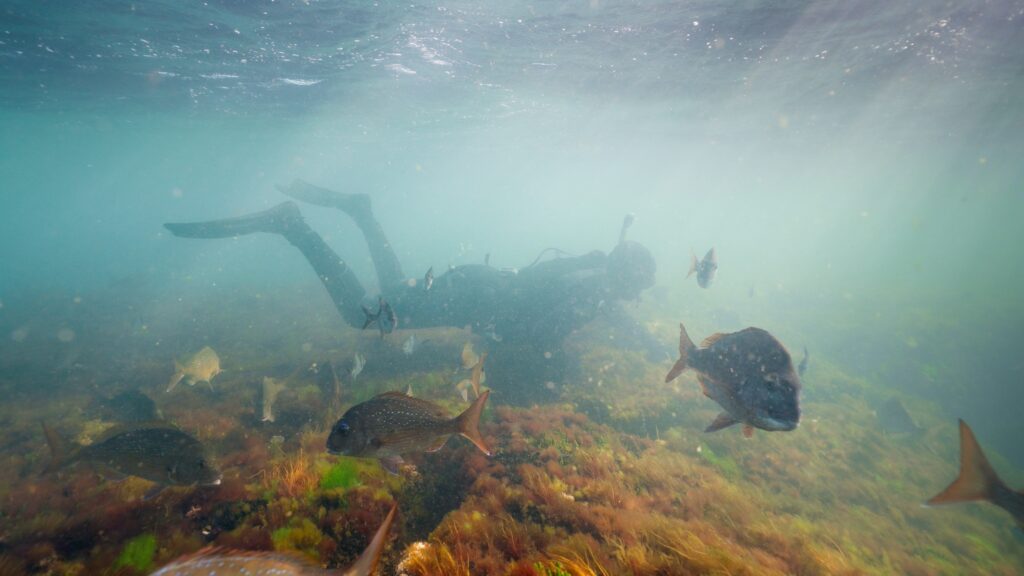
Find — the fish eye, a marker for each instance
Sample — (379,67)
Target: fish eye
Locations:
(342,427)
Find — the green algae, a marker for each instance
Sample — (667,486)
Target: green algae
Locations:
(344,474)
(726,465)
(301,536)
(137,553)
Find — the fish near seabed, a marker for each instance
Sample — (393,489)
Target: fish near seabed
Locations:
(802,366)
(201,367)
(391,424)
(409,346)
(705,268)
(749,374)
(978,481)
(271,388)
(227,562)
(358,362)
(385,317)
(155,451)
(477,377)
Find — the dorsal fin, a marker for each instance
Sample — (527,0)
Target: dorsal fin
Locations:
(710,340)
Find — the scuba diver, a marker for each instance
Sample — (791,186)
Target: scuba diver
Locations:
(536,307)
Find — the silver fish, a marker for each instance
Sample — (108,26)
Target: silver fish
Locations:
(358,362)
(705,268)
(409,346)
(428,279)
(271,388)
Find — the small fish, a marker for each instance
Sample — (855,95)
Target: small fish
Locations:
(271,388)
(748,373)
(802,366)
(893,417)
(469,358)
(392,424)
(428,279)
(408,390)
(477,378)
(978,481)
(626,223)
(201,367)
(209,561)
(358,362)
(385,317)
(409,346)
(705,268)
(155,451)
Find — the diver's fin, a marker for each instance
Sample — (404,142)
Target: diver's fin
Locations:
(469,421)
(306,192)
(977,479)
(710,340)
(685,347)
(276,219)
(693,264)
(392,464)
(478,370)
(724,420)
(59,452)
(367,562)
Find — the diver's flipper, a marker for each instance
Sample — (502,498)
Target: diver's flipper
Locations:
(276,219)
(306,192)
(392,464)
(724,420)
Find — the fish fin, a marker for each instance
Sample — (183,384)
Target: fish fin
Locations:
(210,384)
(693,264)
(724,420)
(685,347)
(748,431)
(367,562)
(392,464)
(711,257)
(178,375)
(703,381)
(464,392)
(438,444)
(469,421)
(478,370)
(153,492)
(408,391)
(370,317)
(59,451)
(710,340)
(977,479)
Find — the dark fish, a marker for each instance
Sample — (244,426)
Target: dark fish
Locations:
(385,318)
(128,406)
(893,417)
(802,366)
(209,561)
(155,451)
(978,481)
(428,279)
(705,268)
(749,373)
(392,424)
(626,223)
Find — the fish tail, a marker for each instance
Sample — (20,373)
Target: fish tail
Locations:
(370,317)
(367,562)
(175,379)
(478,370)
(468,422)
(685,347)
(59,452)
(693,264)
(977,479)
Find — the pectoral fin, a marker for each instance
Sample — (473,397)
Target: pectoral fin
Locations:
(724,420)
(392,464)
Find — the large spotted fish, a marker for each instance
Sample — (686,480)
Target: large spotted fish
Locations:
(749,373)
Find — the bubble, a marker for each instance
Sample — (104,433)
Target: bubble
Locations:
(411,282)
(177,192)
(77,299)
(65,334)
(307,347)
(547,355)
(19,335)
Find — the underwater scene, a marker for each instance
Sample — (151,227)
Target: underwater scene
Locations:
(517,288)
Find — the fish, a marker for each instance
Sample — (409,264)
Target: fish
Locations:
(469,358)
(802,366)
(391,424)
(409,346)
(201,367)
(893,417)
(749,374)
(128,406)
(214,560)
(477,377)
(271,388)
(155,451)
(705,268)
(626,223)
(385,317)
(428,279)
(358,362)
(978,481)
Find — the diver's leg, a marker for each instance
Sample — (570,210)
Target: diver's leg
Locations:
(341,283)
(357,206)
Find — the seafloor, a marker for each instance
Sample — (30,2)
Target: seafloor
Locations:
(610,473)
